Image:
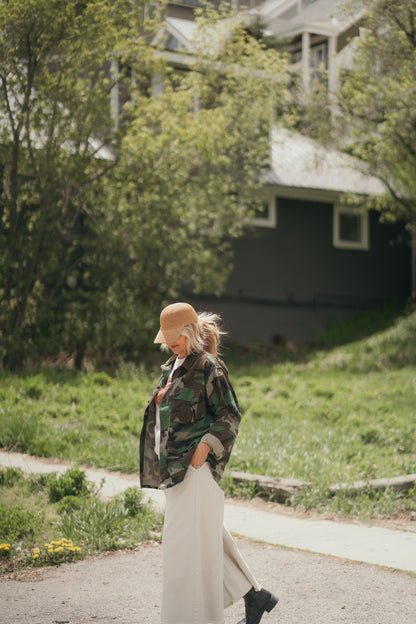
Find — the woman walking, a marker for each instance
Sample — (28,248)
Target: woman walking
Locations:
(189,429)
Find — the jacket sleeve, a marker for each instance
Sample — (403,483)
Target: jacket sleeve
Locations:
(223,404)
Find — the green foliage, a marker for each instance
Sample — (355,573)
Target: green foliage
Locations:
(242,489)
(133,501)
(21,432)
(58,551)
(200,144)
(57,139)
(377,105)
(323,416)
(29,522)
(10,476)
(92,207)
(73,482)
(109,525)
(5,551)
(16,522)
(68,504)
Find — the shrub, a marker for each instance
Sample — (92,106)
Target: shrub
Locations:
(73,482)
(69,504)
(17,522)
(133,501)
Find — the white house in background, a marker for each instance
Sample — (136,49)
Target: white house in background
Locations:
(319,33)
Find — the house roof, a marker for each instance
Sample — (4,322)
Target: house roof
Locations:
(273,8)
(182,29)
(302,163)
(324,17)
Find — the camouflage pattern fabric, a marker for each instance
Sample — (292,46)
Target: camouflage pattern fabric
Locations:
(199,405)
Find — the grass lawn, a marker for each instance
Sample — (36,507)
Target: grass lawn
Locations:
(325,416)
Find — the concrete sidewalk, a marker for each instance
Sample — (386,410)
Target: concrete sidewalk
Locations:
(355,542)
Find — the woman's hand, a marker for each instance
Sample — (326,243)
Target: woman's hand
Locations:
(200,455)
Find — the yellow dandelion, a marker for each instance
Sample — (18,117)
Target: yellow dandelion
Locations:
(36,555)
(59,549)
(46,545)
(77,548)
(36,551)
(50,551)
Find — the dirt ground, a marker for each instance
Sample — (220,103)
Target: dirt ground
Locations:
(125,588)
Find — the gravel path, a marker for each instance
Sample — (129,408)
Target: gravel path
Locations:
(125,588)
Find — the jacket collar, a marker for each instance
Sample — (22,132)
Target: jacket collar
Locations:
(188,362)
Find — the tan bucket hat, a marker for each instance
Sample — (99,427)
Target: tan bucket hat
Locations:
(173,319)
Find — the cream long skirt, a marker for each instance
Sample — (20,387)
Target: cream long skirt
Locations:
(203,570)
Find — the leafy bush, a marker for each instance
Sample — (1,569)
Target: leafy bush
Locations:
(73,482)
(68,504)
(100,379)
(133,501)
(17,522)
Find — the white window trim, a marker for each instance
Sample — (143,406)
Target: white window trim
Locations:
(363,244)
(271,220)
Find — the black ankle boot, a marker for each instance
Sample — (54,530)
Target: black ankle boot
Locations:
(257,602)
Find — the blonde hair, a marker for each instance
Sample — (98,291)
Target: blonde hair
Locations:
(205,334)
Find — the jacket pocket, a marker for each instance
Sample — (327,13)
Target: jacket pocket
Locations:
(185,411)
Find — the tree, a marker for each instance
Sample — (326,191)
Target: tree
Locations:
(190,172)
(377,102)
(102,227)
(57,143)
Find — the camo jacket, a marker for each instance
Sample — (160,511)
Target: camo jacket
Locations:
(200,405)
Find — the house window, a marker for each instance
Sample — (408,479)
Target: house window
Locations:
(350,228)
(172,44)
(266,214)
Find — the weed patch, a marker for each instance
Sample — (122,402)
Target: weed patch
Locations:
(48,520)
